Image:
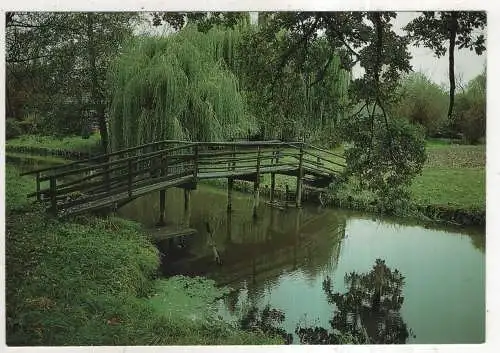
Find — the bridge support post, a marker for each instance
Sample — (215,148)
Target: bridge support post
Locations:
(256,185)
(230,182)
(53,195)
(228,228)
(161,221)
(187,206)
(273,186)
(298,191)
(187,199)
(38,196)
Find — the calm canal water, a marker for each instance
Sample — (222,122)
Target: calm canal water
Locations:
(282,258)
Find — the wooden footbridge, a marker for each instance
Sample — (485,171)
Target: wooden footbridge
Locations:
(119,177)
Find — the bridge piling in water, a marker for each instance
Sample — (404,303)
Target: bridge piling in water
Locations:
(230,182)
(256,185)
(187,207)
(273,186)
(300,175)
(161,221)
(187,199)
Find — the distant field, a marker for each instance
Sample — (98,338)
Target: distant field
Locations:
(454,175)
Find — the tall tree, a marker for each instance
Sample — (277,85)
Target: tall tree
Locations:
(177,86)
(69,54)
(462,29)
(203,20)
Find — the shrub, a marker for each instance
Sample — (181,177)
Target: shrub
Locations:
(12,128)
(470,110)
(422,102)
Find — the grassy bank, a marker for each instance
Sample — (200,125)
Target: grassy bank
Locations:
(69,146)
(453,175)
(91,281)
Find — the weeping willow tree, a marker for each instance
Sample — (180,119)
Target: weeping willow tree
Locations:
(180,86)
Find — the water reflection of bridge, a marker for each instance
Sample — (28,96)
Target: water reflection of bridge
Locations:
(260,250)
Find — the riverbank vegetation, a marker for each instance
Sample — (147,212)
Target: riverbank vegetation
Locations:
(92,281)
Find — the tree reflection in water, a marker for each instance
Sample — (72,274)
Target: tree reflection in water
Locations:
(368,313)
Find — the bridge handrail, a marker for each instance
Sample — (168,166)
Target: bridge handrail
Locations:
(151,144)
(324,151)
(324,159)
(118,161)
(101,156)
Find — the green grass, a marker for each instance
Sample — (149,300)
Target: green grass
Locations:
(453,176)
(68,143)
(458,188)
(91,281)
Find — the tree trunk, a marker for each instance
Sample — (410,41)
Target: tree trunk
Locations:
(97,99)
(451,53)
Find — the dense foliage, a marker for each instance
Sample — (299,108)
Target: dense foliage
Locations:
(56,67)
(303,102)
(471,110)
(422,102)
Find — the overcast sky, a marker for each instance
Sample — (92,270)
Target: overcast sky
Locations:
(467,63)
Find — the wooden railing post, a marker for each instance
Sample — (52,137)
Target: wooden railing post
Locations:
(53,195)
(234,158)
(129,178)
(195,172)
(38,196)
(256,184)
(298,192)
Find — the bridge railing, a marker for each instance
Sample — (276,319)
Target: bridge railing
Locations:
(241,158)
(68,188)
(321,160)
(42,173)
